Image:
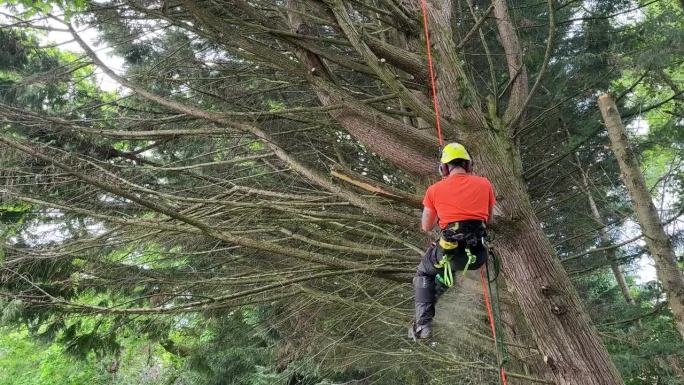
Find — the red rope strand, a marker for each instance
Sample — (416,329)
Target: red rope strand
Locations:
(488,303)
(435,104)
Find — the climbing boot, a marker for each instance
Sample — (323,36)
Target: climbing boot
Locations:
(420,332)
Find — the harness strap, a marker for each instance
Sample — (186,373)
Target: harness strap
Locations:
(447,276)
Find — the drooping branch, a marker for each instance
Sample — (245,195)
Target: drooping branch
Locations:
(194,222)
(376,187)
(309,173)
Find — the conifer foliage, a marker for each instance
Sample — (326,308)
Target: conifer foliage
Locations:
(241,207)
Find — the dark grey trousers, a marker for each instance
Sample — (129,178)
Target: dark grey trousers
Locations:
(425,311)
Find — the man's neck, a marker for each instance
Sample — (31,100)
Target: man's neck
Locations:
(457,170)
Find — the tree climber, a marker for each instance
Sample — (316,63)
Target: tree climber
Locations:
(461,203)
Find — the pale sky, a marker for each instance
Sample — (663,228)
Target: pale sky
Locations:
(66,43)
(90,36)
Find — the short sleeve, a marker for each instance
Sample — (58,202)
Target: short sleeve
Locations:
(492,198)
(428,200)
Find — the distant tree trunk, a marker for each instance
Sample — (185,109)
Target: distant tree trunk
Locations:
(603,235)
(657,240)
(605,240)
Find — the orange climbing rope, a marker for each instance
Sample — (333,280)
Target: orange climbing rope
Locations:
(488,303)
(435,104)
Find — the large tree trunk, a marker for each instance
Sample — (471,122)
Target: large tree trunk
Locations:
(657,240)
(516,335)
(560,326)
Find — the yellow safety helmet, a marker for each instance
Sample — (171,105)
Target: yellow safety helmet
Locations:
(454,151)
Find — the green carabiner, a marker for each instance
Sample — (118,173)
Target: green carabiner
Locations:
(471,259)
(447,279)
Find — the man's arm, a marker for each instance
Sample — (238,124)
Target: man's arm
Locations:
(428,220)
(492,202)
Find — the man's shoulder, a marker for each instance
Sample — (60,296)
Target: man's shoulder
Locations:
(447,183)
(481,179)
(440,182)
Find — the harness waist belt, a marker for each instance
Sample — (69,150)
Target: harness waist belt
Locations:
(468,231)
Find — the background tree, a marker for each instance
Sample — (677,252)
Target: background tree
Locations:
(657,240)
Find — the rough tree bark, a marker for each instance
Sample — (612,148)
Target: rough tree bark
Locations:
(520,343)
(657,240)
(560,326)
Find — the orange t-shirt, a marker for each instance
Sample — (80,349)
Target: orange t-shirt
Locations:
(460,197)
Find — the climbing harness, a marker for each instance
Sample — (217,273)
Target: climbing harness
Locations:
(447,279)
(447,276)
(468,234)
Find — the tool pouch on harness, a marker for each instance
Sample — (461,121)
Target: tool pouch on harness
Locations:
(468,233)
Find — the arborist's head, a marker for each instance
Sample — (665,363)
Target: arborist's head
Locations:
(454,155)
